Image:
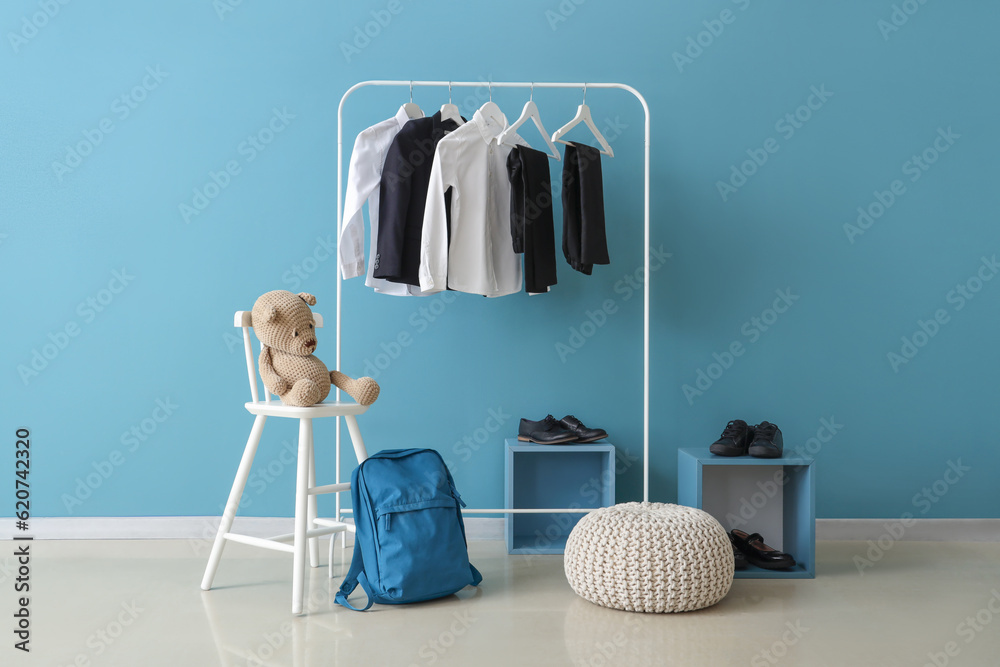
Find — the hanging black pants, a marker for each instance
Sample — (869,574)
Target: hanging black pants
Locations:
(585,242)
(531,224)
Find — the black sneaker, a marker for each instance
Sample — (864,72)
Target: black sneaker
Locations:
(735,439)
(767,441)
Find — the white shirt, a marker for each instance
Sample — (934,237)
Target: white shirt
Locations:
(481,258)
(363,177)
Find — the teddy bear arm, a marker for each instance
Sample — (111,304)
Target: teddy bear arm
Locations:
(277,384)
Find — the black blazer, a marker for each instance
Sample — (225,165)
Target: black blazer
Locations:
(402,196)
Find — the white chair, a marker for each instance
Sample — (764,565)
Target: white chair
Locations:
(307,525)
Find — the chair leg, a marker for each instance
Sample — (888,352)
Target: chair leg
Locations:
(359,443)
(301,515)
(233,504)
(329,569)
(313,541)
(360,452)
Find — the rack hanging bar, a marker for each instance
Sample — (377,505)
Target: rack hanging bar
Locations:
(511,84)
(494,84)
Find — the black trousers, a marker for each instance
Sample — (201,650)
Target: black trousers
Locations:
(585,242)
(531,224)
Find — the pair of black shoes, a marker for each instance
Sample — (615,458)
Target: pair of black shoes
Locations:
(752,549)
(763,441)
(552,431)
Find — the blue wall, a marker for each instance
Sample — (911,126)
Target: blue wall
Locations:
(200,80)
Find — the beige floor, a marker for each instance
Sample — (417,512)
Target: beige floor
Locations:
(138,603)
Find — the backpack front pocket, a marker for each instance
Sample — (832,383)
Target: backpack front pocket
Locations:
(422,545)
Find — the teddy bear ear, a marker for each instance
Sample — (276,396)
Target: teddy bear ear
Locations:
(267,314)
(308,298)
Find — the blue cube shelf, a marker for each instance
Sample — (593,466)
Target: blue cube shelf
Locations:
(773,497)
(557,477)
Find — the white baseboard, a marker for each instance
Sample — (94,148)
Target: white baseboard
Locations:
(920,530)
(190,527)
(149,527)
(483,528)
(477,528)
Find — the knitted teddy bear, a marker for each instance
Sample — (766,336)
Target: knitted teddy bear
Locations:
(284,325)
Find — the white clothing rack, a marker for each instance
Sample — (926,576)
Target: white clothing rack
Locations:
(645,316)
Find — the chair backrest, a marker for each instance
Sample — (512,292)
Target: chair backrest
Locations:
(244,320)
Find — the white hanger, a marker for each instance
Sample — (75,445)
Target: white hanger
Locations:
(583,115)
(491,110)
(450,111)
(530,111)
(411,109)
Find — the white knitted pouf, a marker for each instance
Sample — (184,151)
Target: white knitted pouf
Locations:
(649,557)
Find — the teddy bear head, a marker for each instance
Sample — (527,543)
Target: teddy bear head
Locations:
(283,321)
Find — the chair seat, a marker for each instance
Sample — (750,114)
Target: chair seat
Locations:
(325,409)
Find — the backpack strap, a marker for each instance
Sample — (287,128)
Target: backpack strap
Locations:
(356,575)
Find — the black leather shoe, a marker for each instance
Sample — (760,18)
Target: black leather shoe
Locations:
(767,441)
(759,554)
(735,439)
(546,432)
(739,560)
(582,433)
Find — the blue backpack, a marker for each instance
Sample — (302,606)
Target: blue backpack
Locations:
(409,542)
